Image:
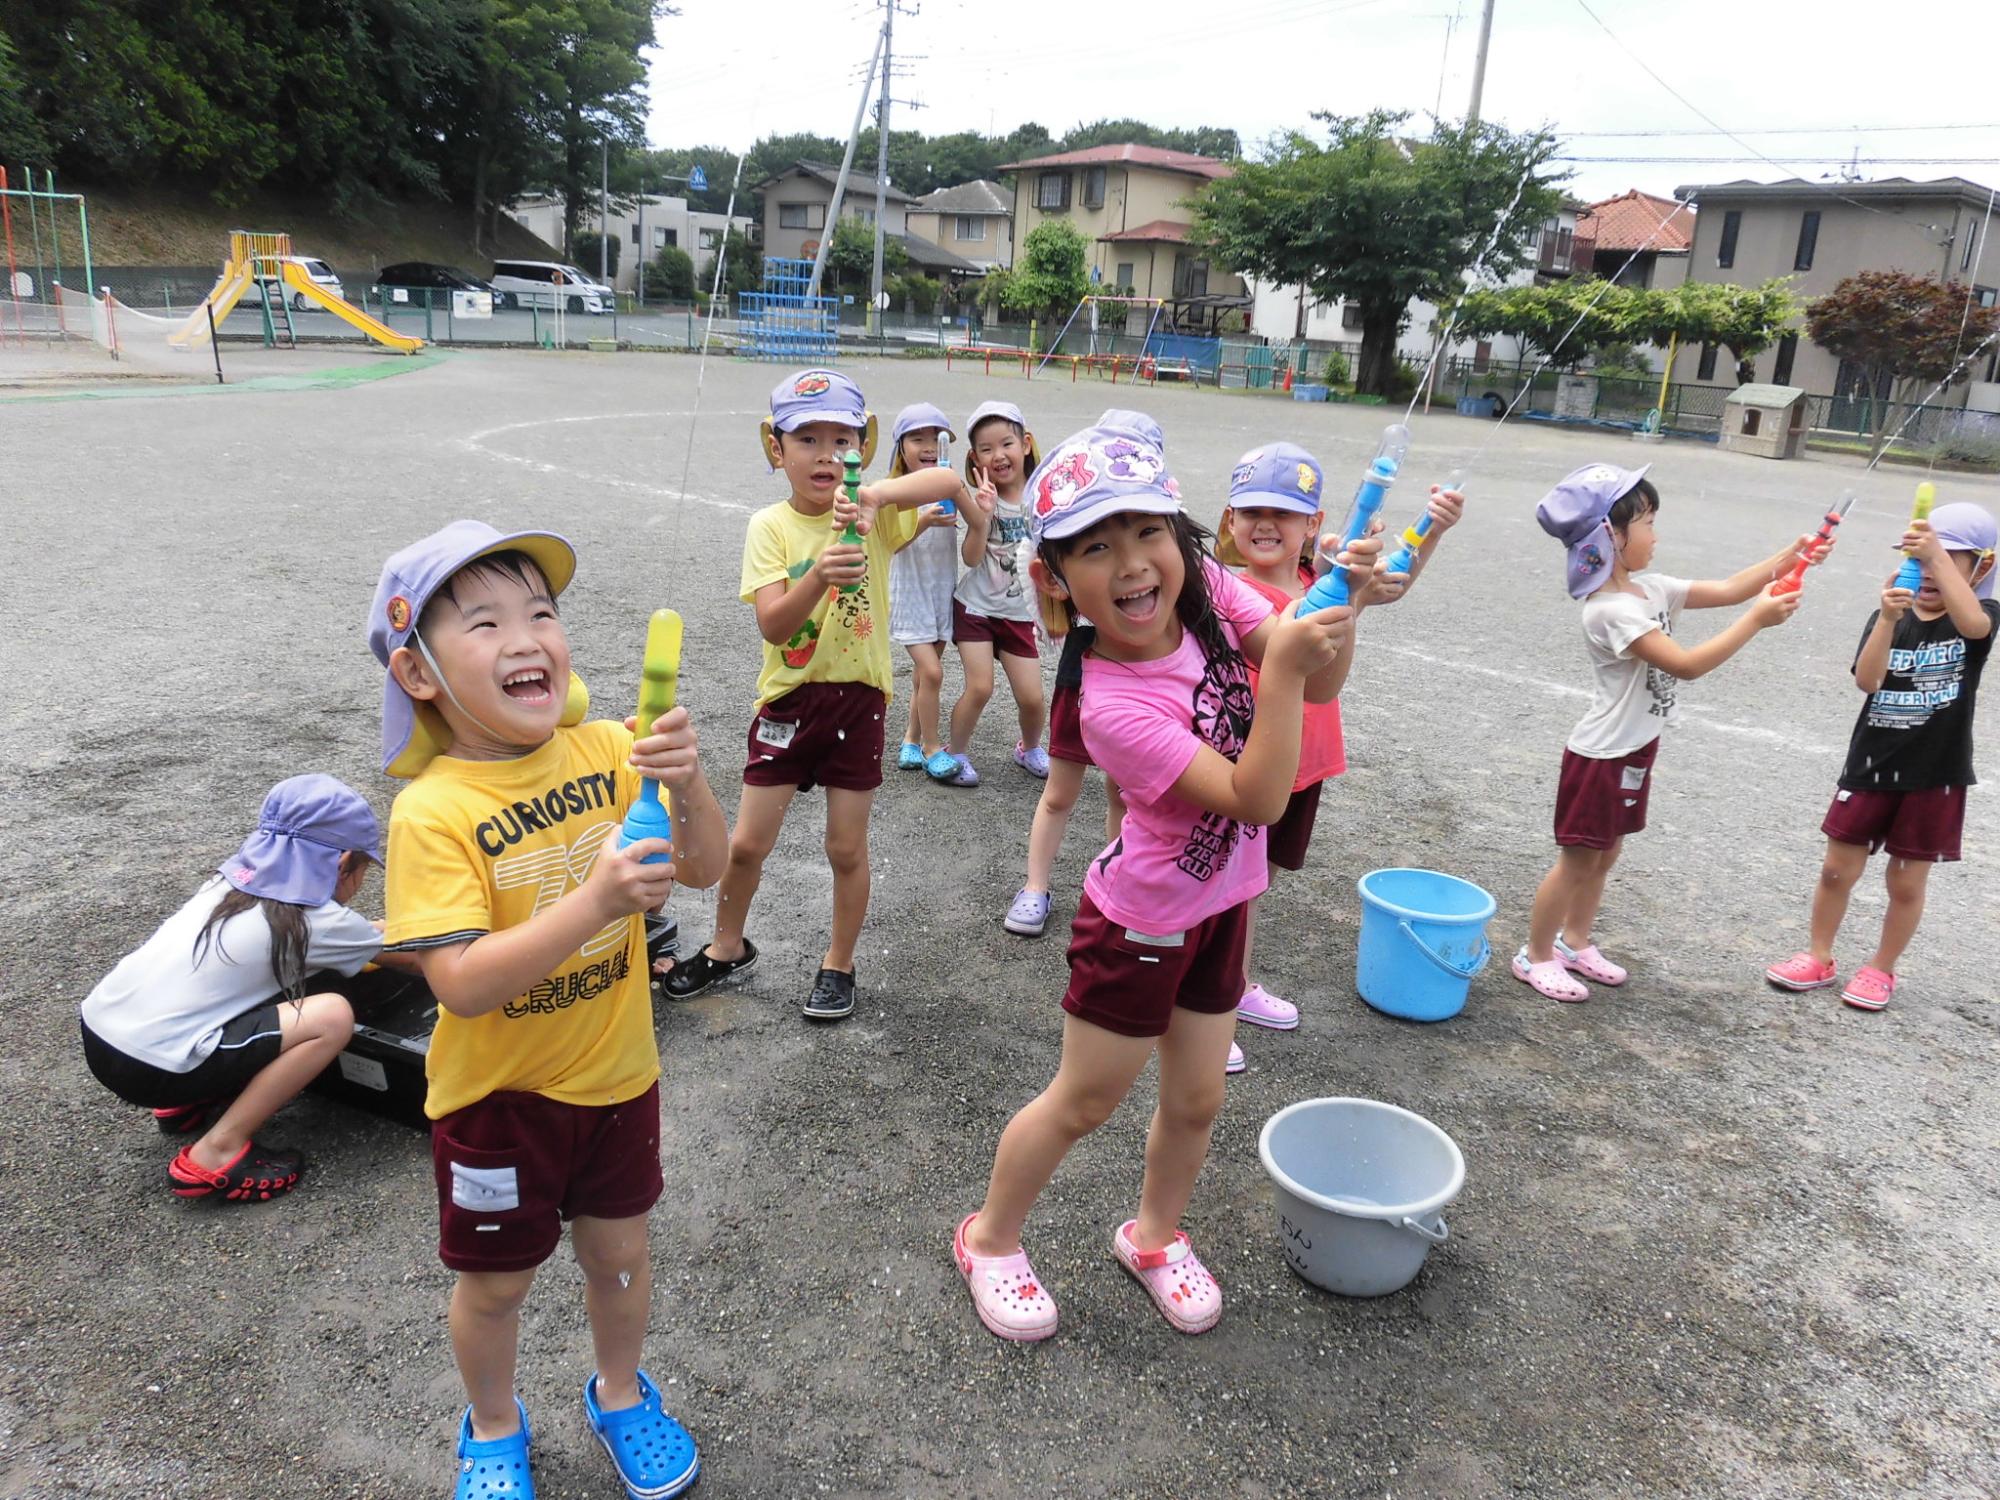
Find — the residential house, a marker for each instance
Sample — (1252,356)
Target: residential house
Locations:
(974,220)
(1638,239)
(1819,234)
(1130,203)
(646,226)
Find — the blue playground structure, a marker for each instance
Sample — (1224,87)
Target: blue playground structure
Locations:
(784,322)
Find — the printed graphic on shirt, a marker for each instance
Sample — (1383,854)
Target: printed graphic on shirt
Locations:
(1664,687)
(1936,674)
(805,640)
(1223,705)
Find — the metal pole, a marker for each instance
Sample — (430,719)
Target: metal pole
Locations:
(1479,63)
(83,223)
(604,215)
(840,178)
(214,347)
(639,259)
(881,162)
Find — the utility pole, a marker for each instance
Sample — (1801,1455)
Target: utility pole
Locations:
(1479,62)
(882,103)
(840,181)
(604,216)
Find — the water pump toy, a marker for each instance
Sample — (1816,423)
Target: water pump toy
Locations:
(851,482)
(649,818)
(1795,580)
(945,507)
(1911,575)
(1404,557)
(1331,586)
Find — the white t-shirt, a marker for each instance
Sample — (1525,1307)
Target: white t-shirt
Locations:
(162,1007)
(1631,702)
(997,585)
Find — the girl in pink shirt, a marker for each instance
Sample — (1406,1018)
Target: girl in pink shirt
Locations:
(1156,950)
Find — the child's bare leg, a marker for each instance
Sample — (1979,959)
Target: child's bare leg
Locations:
(847,853)
(1097,1071)
(618,1298)
(1024,677)
(1192,1055)
(759,817)
(1045,836)
(1580,915)
(1837,873)
(1573,868)
(977,659)
(315,1030)
(926,684)
(485,1336)
(1908,881)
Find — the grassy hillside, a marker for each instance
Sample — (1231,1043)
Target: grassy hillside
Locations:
(165,228)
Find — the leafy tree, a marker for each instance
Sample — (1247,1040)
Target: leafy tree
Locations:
(1376,219)
(1203,140)
(742,266)
(1908,334)
(583,251)
(918,291)
(22,139)
(1051,274)
(850,259)
(671,275)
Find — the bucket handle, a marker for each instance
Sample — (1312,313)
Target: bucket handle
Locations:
(1485,953)
(1437,1235)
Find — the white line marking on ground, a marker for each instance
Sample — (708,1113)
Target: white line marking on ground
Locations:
(476,443)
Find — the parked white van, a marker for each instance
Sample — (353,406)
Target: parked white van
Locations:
(549,284)
(317,271)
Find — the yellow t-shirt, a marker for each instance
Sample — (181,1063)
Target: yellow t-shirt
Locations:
(846,639)
(481,846)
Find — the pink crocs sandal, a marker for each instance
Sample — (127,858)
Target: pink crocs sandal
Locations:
(1869,989)
(1802,972)
(1006,1293)
(1590,963)
(1262,1008)
(1549,978)
(1174,1278)
(1237,1062)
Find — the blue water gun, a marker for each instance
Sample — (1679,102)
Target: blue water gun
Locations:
(945,507)
(648,818)
(1404,557)
(1331,586)
(1911,574)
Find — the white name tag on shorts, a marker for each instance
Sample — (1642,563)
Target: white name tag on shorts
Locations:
(484,1190)
(775,733)
(1633,777)
(1842,795)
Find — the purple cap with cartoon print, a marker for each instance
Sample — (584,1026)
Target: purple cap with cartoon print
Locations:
(1282,476)
(916,418)
(1965,527)
(1098,472)
(1575,513)
(306,824)
(1135,422)
(817,396)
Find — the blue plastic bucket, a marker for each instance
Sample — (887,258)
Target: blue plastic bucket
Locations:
(1423,938)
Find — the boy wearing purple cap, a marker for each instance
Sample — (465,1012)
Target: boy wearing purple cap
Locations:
(208,1024)
(1604,516)
(1910,758)
(823,610)
(508,884)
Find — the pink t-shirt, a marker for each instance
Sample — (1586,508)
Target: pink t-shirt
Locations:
(1173,864)
(1322,751)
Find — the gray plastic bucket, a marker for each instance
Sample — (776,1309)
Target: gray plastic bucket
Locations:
(1361,1186)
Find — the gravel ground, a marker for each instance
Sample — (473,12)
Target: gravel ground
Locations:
(1713,1240)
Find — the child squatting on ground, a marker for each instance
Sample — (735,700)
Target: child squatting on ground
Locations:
(507,883)
(1156,950)
(1270,530)
(822,608)
(209,1023)
(1604,515)
(922,577)
(1909,760)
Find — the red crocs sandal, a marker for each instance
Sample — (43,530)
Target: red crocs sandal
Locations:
(1006,1293)
(1174,1278)
(188,1119)
(253,1175)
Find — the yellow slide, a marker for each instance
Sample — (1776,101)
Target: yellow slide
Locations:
(229,289)
(296,278)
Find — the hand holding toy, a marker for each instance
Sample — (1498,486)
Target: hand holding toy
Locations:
(1911,575)
(945,507)
(1404,557)
(1793,581)
(1331,587)
(649,817)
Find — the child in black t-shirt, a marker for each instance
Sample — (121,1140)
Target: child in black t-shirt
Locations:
(1910,759)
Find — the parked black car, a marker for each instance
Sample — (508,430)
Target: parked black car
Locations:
(424,273)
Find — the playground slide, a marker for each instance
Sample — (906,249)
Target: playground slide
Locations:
(295,277)
(228,291)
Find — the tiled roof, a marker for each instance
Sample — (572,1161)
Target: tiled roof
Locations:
(859,186)
(1171,231)
(981,197)
(1632,220)
(931,257)
(1130,156)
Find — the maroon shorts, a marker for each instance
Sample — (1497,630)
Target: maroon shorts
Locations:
(1598,802)
(512,1167)
(1009,637)
(1924,824)
(819,734)
(1131,982)
(1285,843)
(1066,725)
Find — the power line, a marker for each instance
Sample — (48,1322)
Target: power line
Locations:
(1793,161)
(1607,135)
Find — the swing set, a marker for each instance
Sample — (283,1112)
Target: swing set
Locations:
(1092,301)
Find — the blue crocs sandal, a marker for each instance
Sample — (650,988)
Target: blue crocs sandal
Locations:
(942,765)
(654,1456)
(496,1469)
(910,758)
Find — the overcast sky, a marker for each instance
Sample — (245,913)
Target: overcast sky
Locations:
(1793,81)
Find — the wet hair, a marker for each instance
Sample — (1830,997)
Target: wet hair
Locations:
(972,464)
(1635,504)
(1195,607)
(511,563)
(288,932)
(1229,555)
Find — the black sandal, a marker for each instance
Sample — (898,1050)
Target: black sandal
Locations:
(253,1175)
(689,977)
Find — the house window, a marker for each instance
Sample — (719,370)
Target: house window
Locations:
(1985,296)
(1350,315)
(635,236)
(1706,369)
(1565,243)
(1482,354)
(1971,248)
(1093,187)
(969,227)
(663,237)
(1788,350)
(864,215)
(1808,241)
(1128,273)
(1732,223)
(801,215)
(1052,192)
(709,238)
(1190,276)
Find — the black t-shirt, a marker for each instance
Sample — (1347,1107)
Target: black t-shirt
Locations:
(1915,731)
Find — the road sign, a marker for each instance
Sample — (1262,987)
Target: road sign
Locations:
(698,181)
